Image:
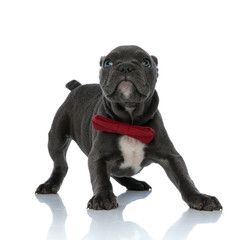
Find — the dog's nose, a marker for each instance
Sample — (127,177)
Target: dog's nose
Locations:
(126,69)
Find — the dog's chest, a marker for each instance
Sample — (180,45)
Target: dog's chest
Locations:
(133,153)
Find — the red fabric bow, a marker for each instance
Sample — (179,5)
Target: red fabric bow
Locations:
(143,134)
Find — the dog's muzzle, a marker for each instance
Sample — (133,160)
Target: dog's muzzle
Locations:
(126,83)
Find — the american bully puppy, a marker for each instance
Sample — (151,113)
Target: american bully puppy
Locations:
(118,126)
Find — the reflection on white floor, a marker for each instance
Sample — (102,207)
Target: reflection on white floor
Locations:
(110,225)
(59,215)
(189,219)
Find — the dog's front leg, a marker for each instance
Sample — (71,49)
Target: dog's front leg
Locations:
(103,197)
(177,171)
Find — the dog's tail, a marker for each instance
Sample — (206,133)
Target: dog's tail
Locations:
(73,84)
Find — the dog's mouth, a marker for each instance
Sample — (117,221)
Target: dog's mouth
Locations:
(126,92)
(126,88)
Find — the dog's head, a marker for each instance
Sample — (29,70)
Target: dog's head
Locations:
(128,75)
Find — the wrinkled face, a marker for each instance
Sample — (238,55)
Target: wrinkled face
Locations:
(128,75)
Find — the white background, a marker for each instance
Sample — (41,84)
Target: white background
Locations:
(45,44)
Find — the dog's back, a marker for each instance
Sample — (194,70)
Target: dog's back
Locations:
(80,106)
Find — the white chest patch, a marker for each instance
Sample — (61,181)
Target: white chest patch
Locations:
(133,153)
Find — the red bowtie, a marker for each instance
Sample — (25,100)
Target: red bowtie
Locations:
(143,134)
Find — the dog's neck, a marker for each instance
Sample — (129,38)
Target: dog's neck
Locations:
(130,111)
(138,114)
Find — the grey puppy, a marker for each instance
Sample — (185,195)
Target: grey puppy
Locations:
(126,93)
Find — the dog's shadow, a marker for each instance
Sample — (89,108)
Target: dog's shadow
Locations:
(111,225)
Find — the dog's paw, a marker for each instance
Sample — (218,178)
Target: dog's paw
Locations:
(203,202)
(47,188)
(104,200)
(138,186)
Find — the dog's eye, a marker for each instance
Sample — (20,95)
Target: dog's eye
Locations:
(146,63)
(108,63)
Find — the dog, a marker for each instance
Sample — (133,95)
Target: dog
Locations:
(126,98)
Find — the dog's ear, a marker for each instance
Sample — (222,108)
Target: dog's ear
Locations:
(101,61)
(155,59)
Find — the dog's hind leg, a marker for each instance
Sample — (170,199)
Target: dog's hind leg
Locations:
(132,184)
(57,145)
